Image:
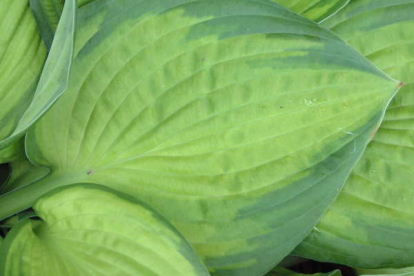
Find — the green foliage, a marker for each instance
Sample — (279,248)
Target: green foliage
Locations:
(387,272)
(24,57)
(48,13)
(213,135)
(23,172)
(96,231)
(317,10)
(278,271)
(378,198)
(13,152)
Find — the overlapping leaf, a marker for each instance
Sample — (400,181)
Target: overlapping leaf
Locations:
(23,55)
(316,10)
(90,230)
(201,108)
(48,13)
(13,152)
(23,173)
(372,222)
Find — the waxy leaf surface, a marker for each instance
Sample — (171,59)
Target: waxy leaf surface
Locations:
(237,120)
(372,222)
(91,230)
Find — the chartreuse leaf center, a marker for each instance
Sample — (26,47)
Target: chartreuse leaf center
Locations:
(237,120)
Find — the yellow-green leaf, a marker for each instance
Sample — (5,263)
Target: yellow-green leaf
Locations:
(22,55)
(23,110)
(237,120)
(91,230)
(372,222)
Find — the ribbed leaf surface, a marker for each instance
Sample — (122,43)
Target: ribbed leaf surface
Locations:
(237,120)
(22,108)
(22,55)
(90,230)
(372,222)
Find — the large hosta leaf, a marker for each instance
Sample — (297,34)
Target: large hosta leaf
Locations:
(236,119)
(372,222)
(90,230)
(317,10)
(23,55)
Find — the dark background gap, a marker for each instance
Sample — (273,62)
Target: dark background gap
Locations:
(4,173)
(311,267)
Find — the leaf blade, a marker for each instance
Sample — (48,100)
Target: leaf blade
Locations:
(81,220)
(22,56)
(54,78)
(375,208)
(213,123)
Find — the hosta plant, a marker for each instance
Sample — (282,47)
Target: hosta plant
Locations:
(197,137)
